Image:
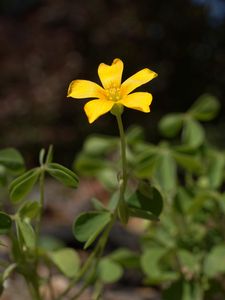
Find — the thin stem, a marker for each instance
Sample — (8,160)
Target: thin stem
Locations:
(119,210)
(36,262)
(122,207)
(33,288)
(41,188)
(123,150)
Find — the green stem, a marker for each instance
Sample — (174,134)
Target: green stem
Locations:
(120,210)
(38,228)
(122,207)
(33,288)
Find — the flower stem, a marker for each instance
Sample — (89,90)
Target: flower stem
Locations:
(120,210)
(122,207)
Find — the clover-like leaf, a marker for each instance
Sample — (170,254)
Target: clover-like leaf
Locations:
(88,226)
(146,202)
(171,124)
(62,174)
(30,210)
(205,108)
(214,263)
(22,185)
(12,160)
(27,233)
(193,134)
(109,271)
(67,260)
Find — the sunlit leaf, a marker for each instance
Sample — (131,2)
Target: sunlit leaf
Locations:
(67,260)
(215,261)
(109,271)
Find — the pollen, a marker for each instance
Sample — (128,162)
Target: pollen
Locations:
(113,93)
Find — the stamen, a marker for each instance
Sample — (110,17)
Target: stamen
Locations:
(113,93)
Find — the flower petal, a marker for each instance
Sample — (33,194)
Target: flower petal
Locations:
(96,108)
(84,89)
(110,76)
(139,101)
(137,80)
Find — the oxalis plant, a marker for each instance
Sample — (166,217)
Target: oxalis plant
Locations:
(183,254)
(132,197)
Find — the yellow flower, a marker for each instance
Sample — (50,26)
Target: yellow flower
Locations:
(112,92)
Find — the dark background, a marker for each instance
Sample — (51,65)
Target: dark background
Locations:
(46,44)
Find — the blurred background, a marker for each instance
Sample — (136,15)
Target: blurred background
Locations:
(46,44)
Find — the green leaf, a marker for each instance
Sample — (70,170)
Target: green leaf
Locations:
(5,222)
(50,243)
(88,226)
(146,165)
(146,202)
(181,290)
(214,263)
(22,185)
(67,260)
(188,162)
(27,233)
(41,156)
(134,135)
(108,178)
(193,134)
(49,156)
(188,262)
(12,160)
(99,144)
(62,174)
(3,178)
(126,258)
(30,210)
(205,108)
(183,200)
(142,214)
(109,271)
(89,166)
(98,205)
(216,168)
(151,266)
(170,125)
(166,172)
(7,272)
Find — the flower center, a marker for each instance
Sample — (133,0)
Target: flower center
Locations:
(113,93)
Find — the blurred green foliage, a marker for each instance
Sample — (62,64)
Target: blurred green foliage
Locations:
(184,252)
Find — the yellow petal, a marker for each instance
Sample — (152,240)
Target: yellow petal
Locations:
(110,76)
(139,101)
(85,89)
(96,108)
(137,80)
